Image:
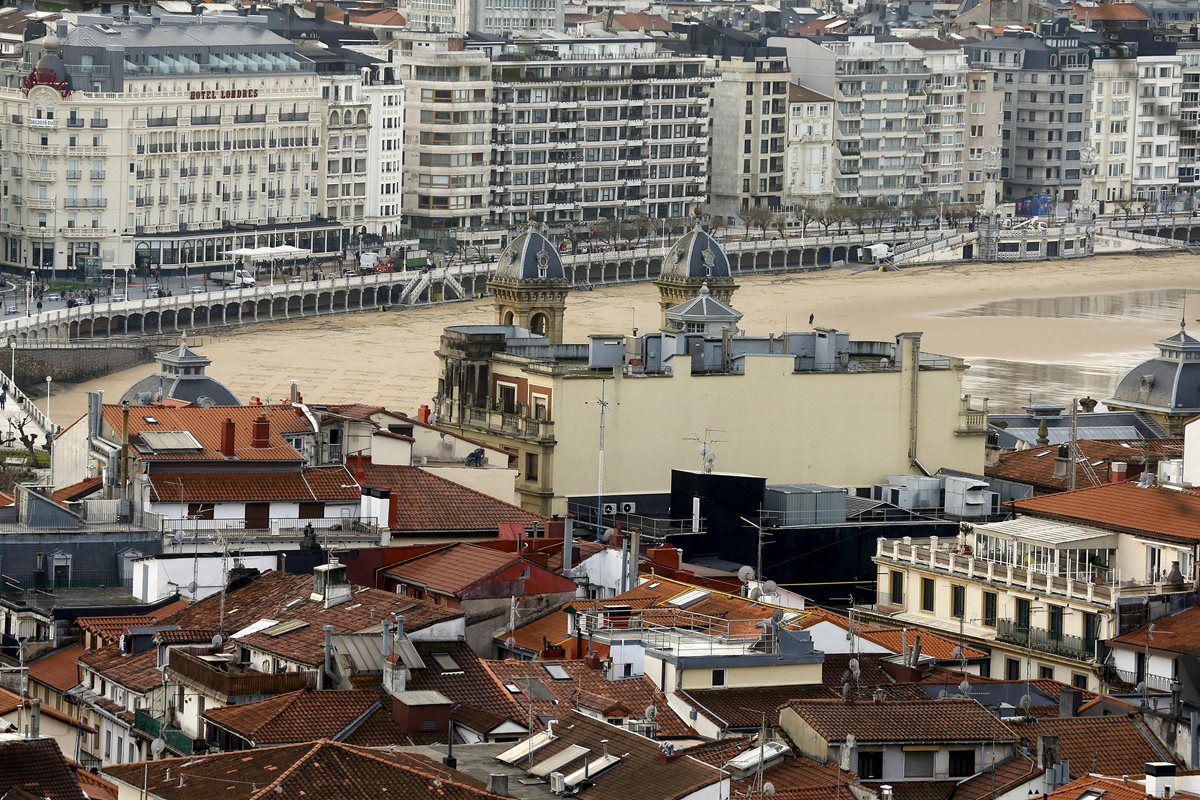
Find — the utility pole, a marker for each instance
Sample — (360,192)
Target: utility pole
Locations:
(603,404)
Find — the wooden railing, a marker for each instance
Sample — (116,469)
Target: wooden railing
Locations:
(237,683)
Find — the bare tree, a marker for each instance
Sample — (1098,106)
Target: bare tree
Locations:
(28,440)
(761,217)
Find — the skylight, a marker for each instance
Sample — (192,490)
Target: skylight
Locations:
(150,420)
(557,672)
(689,597)
(512,687)
(446,662)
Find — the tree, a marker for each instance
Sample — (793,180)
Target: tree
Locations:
(877,212)
(959,211)
(1125,204)
(761,217)
(808,212)
(28,440)
(919,209)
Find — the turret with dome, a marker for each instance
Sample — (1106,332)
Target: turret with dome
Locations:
(1167,387)
(529,286)
(696,260)
(181,378)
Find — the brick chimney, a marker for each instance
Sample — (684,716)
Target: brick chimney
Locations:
(261,436)
(666,555)
(227,439)
(1117,471)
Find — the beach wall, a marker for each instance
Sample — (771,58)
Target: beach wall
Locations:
(72,364)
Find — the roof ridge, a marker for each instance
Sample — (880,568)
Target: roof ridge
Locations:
(366,753)
(270,787)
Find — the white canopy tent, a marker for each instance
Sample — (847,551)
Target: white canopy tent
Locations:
(283,252)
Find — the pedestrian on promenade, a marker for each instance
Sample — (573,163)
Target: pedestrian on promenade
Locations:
(39,306)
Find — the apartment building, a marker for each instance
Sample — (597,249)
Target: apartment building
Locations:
(598,128)
(447,135)
(881,116)
(143,142)
(749,116)
(982,133)
(1155,170)
(945,114)
(1046,78)
(1189,117)
(809,165)
(484,16)
(1114,106)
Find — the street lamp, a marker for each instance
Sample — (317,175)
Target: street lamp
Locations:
(49,424)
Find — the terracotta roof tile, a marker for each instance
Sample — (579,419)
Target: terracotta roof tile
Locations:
(584,687)
(314,484)
(359,411)
(1124,507)
(58,669)
(77,491)
(322,769)
(933,644)
(484,701)
(207,425)
(1109,12)
(1113,745)
(432,503)
(294,717)
(11,701)
(95,787)
(794,778)
(1035,466)
(640,21)
(1007,776)
(1178,633)
(1108,788)
(109,628)
(453,568)
(902,720)
(38,767)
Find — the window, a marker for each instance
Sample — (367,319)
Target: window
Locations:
(312,510)
(1012,669)
(1056,622)
(897,588)
(718,679)
(958,601)
(1045,673)
(918,763)
(1091,629)
(200,510)
(1023,611)
(927,594)
(531,466)
(870,765)
(989,609)
(962,763)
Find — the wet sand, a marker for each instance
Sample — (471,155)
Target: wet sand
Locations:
(1050,329)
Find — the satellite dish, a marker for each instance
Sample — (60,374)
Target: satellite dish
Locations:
(755,593)
(651,712)
(1140,688)
(1025,702)
(855,668)
(846,676)
(965,686)
(942,694)
(218,640)
(192,587)
(157,747)
(845,691)
(510,643)
(606,537)
(777,617)
(770,587)
(746,574)
(851,741)
(768,789)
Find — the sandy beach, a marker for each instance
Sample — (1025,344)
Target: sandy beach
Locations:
(1052,329)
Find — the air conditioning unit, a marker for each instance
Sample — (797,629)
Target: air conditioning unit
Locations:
(628,508)
(608,509)
(558,783)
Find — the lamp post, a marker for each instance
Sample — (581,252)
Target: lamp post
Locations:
(12,375)
(49,424)
(29,294)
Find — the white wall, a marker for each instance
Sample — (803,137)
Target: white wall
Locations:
(494,481)
(152,576)
(603,571)
(1191,453)
(830,638)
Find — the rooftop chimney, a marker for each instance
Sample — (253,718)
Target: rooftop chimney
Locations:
(1160,779)
(387,638)
(1069,701)
(498,784)
(328,650)
(227,439)
(1118,472)
(330,584)
(1062,464)
(261,437)
(35,718)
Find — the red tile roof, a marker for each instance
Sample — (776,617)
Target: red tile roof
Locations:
(802,94)
(432,503)
(1178,633)
(934,645)
(11,701)
(359,411)
(794,778)
(1035,466)
(640,21)
(77,491)
(1124,507)
(110,628)
(1108,788)
(95,787)
(322,769)
(933,721)
(314,484)
(1113,745)
(1109,12)
(456,568)
(207,425)
(38,767)
(58,669)
(585,687)
(294,717)
(484,703)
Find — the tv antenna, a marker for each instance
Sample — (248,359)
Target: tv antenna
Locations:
(708,454)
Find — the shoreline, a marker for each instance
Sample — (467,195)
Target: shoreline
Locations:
(387,358)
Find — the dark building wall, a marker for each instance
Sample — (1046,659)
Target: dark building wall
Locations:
(73,365)
(95,557)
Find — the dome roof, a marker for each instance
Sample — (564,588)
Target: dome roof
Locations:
(703,308)
(181,377)
(696,255)
(1168,383)
(530,257)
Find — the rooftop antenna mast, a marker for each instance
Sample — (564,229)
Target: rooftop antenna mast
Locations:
(603,404)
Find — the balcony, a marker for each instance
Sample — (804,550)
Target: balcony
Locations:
(162,122)
(226,680)
(246,118)
(176,740)
(74,175)
(99,123)
(98,174)
(74,122)
(971,421)
(1046,641)
(41,175)
(86,202)
(206,120)
(508,423)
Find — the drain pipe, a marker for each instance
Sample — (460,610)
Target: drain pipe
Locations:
(328,655)
(911,343)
